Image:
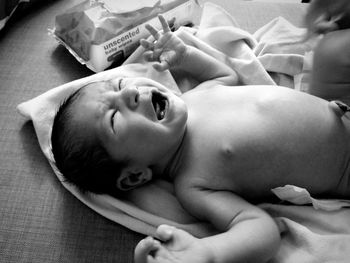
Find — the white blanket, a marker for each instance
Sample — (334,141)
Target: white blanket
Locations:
(308,235)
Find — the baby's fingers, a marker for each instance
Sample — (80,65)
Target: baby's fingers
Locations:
(148,56)
(153,31)
(161,66)
(164,24)
(151,55)
(144,248)
(165,232)
(147,44)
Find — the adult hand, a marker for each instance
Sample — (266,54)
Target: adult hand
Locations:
(327,15)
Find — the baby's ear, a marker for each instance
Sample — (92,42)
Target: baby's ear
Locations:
(132,177)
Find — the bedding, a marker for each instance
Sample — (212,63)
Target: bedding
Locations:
(262,58)
(40,221)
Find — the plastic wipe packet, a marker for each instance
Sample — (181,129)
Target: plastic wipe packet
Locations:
(99,33)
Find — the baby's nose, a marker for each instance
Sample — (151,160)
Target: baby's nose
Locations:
(131,96)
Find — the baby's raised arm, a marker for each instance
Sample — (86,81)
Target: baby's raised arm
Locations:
(170,52)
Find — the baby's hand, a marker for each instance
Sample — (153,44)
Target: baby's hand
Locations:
(167,49)
(177,246)
(145,248)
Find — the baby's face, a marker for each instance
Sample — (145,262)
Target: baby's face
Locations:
(135,119)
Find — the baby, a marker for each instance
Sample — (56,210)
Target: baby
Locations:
(219,143)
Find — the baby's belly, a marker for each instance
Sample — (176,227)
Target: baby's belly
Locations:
(253,175)
(255,182)
(316,159)
(307,146)
(259,139)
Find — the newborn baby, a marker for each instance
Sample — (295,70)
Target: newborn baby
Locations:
(224,147)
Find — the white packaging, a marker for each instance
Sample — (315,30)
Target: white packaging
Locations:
(102,33)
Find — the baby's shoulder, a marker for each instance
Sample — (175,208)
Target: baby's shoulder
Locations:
(189,191)
(203,87)
(190,183)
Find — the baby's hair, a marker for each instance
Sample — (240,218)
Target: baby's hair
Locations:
(83,162)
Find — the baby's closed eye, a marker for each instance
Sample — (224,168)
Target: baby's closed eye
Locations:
(114,117)
(116,84)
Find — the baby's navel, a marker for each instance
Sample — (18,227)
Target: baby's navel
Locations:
(339,108)
(227,151)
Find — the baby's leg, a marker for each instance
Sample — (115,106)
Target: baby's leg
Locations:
(331,70)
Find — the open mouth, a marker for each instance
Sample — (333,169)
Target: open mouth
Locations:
(160,105)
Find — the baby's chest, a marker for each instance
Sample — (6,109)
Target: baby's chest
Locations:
(224,163)
(244,157)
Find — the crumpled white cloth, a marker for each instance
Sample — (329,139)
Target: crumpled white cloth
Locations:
(301,196)
(285,54)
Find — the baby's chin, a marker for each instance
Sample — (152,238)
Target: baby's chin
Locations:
(178,113)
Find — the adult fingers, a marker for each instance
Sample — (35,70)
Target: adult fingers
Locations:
(325,10)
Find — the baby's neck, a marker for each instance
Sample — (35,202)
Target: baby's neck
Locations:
(168,170)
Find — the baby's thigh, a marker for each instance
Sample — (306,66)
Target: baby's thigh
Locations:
(331,70)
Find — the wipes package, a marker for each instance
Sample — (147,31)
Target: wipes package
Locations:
(102,32)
